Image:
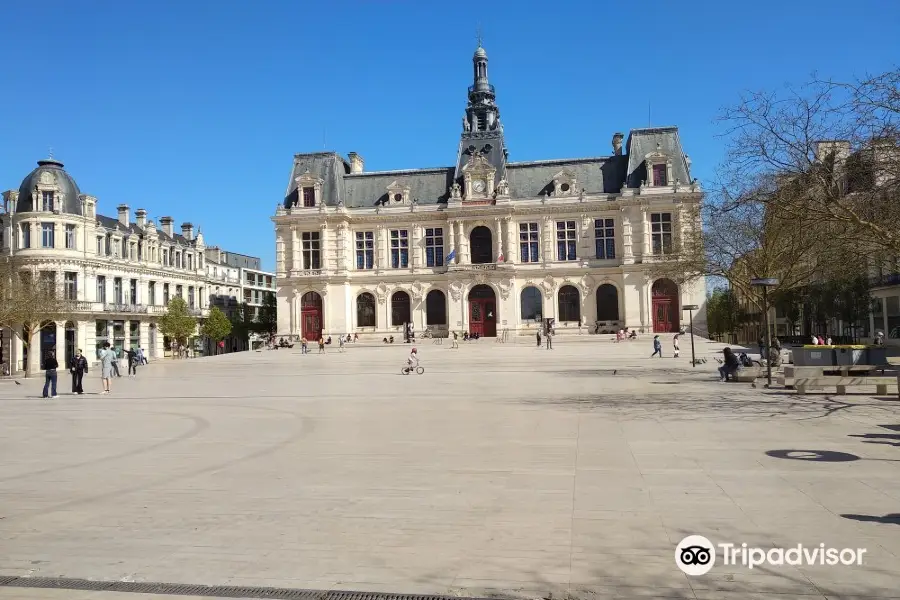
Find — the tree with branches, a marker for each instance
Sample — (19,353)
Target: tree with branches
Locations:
(178,324)
(216,327)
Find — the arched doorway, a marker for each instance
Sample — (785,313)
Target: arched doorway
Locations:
(607,303)
(664,295)
(569,304)
(48,341)
(481,241)
(152,340)
(435,308)
(70,343)
(365,310)
(483,311)
(532,304)
(311,315)
(400,312)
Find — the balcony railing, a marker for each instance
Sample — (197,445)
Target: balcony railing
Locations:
(126,308)
(476,267)
(308,273)
(885,279)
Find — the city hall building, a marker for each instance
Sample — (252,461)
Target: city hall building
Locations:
(487,246)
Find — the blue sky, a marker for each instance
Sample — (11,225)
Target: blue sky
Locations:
(195,108)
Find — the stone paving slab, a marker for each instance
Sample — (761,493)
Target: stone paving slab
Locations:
(503,470)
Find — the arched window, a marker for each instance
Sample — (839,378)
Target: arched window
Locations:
(365,310)
(569,304)
(436,308)
(481,242)
(532,304)
(400,314)
(607,303)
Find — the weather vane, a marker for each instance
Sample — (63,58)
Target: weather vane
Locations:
(478,35)
(51,151)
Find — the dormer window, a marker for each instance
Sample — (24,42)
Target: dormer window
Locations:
(309,190)
(564,183)
(47,201)
(398,193)
(659,175)
(659,169)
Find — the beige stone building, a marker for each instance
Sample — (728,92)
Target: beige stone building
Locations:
(487,245)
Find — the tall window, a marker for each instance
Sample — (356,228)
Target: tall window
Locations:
(102,334)
(661,232)
(400,314)
(101,288)
(70,286)
(659,174)
(365,310)
(569,304)
(179,291)
(434,247)
(365,250)
(165,257)
(399,248)
(565,240)
(26,235)
(133,292)
(47,235)
(435,308)
(124,247)
(117,290)
(178,260)
(108,244)
(166,294)
(47,200)
(605,237)
(190,262)
(309,196)
(190,296)
(312,252)
(70,237)
(99,245)
(531,304)
(529,237)
(151,293)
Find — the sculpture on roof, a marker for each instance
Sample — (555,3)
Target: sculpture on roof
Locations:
(455,190)
(503,187)
(467,127)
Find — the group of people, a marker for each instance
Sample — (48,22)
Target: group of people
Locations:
(323,341)
(78,368)
(626,334)
(657,345)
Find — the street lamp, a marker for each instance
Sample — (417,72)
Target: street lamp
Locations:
(691,308)
(765,283)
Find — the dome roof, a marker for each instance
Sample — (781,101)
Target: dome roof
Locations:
(480,53)
(49,172)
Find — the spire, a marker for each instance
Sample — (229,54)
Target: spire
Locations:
(482,113)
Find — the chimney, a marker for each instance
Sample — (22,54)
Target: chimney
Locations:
(123,214)
(356,162)
(166,223)
(840,149)
(617,143)
(140,218)
(187,230)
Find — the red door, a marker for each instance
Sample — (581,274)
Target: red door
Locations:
(662,315)
(482,317)
(664,294)
(311,316)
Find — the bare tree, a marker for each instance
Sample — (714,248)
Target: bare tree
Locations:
(835,144)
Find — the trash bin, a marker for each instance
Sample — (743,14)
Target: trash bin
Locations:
(850,355)
(876,355)
(814,356)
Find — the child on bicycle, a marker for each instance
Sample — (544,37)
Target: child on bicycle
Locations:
(413,358)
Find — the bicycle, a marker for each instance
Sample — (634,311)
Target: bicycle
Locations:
(407,370)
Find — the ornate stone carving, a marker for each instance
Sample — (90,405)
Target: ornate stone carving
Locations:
(456,290)
(381,291)
(455,191)
(503,188)
(47,178)
(418,291)
(505,286)
(548,285)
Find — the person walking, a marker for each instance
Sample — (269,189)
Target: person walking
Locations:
(50,366)
(341,343)
(132,362)
(78,369)
(142,359)
(657,347)
(538,338)
(675,344)
(115,361)
(761,342)
(549,337)
(321,345)
(455,343)
(107,356)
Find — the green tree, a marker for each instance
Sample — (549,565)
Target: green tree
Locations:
(241,323)
(723,314)
(178,323)
(217,326)
(267,319)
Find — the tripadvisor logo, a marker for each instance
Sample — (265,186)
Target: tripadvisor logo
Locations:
(696,555)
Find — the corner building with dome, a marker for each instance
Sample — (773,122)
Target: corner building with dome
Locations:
(487,246)
(118,272)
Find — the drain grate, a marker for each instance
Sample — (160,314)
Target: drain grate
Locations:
(222,591)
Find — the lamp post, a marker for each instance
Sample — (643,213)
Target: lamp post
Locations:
(691,308)
(765,283)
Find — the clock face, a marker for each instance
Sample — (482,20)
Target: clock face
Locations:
(478,185)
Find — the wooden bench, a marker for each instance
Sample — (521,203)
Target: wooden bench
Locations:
(802,384)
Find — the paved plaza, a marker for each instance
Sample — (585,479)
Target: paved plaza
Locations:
(504,470)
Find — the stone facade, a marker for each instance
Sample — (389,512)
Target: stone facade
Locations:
(488,246)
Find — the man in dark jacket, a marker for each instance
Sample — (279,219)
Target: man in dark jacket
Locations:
(78,369)
(50,366)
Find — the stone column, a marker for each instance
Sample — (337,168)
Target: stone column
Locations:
(295,250)
(324,251)
(416,242)
(627,244)
(546,233)
(381,243)
(645,220)
(452,242)
(465,259)
(498,234)
(279,253)
(61,343)
(511,234)
(342,247)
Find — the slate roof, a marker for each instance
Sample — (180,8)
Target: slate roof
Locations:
(67,185)
(597,175)
(113,224)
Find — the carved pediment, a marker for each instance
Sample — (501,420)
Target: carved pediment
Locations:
(565,183)
(397,192)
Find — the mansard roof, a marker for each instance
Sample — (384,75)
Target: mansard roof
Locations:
(113,224)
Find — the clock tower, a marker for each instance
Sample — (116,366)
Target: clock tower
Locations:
(482,152)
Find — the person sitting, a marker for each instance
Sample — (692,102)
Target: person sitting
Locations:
(391,340)
(632,335)
(465,336)
(355,337)
(730,364)
(328,341)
